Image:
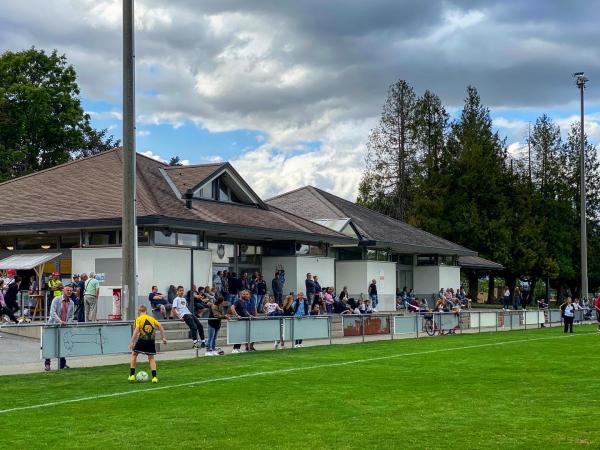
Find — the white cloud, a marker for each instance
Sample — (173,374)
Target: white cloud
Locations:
(143,133)
(151,154)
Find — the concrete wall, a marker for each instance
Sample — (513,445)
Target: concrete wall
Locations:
(296,268)
(160,266)
(357,275)
(430,279)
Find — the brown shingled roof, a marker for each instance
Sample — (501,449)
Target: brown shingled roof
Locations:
(188,177)
(90,189)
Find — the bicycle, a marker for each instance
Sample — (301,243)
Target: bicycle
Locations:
(430,326)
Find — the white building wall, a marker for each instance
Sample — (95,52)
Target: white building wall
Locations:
(323,267)
(272,264)
(202,268)
(449,277)
(426,280)
(357,275)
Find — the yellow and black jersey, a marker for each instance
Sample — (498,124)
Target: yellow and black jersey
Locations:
(147,326)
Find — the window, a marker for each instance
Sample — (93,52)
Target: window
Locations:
(406,260)
(37,242)
(372,255)
(7,243)
(426,260)
(350,254)
(250,254)
(447,260)
(69,241)
(165,237)
(187,239)
(143,236)
(378,255)
(318,250)
(108,237)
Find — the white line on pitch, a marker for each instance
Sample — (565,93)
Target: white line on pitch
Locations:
(275,372)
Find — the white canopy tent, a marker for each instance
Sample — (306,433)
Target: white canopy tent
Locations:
(33,261)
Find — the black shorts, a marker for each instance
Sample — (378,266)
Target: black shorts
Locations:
(598,316)
(148,347)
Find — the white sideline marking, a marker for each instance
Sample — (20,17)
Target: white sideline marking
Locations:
(277,371)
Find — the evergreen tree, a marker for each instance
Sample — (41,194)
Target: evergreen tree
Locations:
(391,155)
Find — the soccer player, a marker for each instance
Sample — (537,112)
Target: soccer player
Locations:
(145,330)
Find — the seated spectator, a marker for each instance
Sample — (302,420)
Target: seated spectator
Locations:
(182,312)
(328,299)
(201,305)
(315,310)
(271,308)
(542,304)
(210,295)
(160,303)
(341,307)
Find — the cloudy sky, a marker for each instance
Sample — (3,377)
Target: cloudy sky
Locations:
(288,90)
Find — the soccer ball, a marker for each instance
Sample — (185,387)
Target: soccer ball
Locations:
(141,377)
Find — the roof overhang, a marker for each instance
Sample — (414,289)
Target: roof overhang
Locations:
(27,261)
(478,263)
(161,221)
(417,249)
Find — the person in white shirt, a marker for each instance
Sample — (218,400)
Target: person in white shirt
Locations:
(181,312)
(568,313)
(271,308)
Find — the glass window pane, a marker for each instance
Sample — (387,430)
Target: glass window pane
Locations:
(103,237)
(7,243)
(69,240)
(426,260)
(165,237)
(187,239)
(143,236)
(350,254)
(372,255)
(37,242)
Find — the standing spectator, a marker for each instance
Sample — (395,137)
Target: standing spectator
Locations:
(225,285)
(318,288)
(55,285)
(90,297)
(245,282)
(12,292)
(33,285)
(277,288)
(261,291)
(217,281)
(62,310)
(79,291)
(239,309)
(181,312)
(159,302)
(311,288)
(234,287)
(517,298)
(568,313)
(344,296)
(214,324)
(301,309)
(597,309)
(3,308)
(506,299)
(373,293)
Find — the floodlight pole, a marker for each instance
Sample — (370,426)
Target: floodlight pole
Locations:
(581,80)
(129,234)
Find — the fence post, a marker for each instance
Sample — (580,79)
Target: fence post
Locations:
(525,319)
(496,321)
(293,320)
(248,331)
(362,327)
(417,325)
(479,317)
(392,325)
(329,319)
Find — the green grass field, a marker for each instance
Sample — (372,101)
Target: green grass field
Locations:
(533,389)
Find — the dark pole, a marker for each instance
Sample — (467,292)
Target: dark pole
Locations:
(128,233)
(581,80)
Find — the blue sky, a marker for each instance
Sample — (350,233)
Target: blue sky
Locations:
(289,91)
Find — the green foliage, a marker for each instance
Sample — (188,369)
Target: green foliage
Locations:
(521,213)
(42,123)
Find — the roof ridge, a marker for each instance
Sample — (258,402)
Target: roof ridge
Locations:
(390,218)
(73,161)
(286,193)
(191,166)
(319,193)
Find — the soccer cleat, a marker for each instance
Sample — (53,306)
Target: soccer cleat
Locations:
(47,367)
(131,378)
(203,344)
(276,345)
(196,344)
(154,380)
(219,352)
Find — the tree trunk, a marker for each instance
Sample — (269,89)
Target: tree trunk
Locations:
(473,286)
(491,297)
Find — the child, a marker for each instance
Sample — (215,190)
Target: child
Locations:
(145,329)
(181,312)
(214,324)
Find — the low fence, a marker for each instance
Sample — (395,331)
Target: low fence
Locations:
(267,329)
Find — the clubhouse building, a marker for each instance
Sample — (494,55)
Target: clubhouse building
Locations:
(196,220)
